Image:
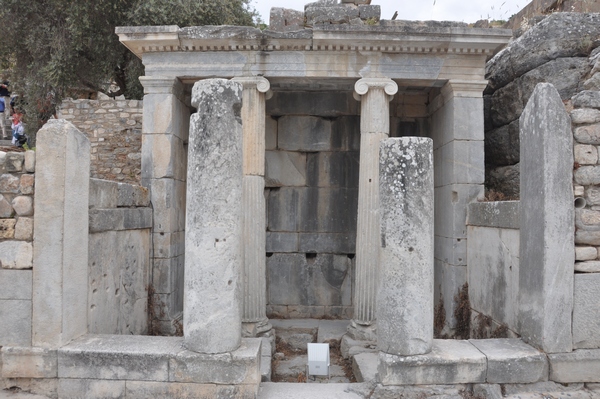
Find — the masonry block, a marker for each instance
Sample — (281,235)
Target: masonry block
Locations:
(165,114)
(15,284)
(282,242)
(103,194)
(461,163)
(581,365)
(91,389)
(304,133)
(325,104)
(15,329)
(512,361)
(285,168)
(333,169)
(451,208)
(449,362)
(163,156)
(586,311)
(337,243)
(28,362)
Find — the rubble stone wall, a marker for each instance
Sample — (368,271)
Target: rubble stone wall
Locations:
(114,128)
(17,172)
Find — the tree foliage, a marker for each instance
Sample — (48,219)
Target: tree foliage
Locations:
(57,48)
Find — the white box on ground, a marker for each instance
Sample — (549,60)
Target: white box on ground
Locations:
(318,359)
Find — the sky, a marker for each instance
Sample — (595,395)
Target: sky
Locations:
(421,10)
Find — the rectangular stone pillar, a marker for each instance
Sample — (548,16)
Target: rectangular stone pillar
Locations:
(374,126)
(405,292)
(164,161)
(214,258)
(256,91)
(547,252)
(458,134)
(60,251)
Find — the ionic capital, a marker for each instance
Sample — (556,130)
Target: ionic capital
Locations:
(255,82)
(362,86)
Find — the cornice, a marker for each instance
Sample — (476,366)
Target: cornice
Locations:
(390,39)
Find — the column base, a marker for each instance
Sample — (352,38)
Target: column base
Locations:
(254,329)
(362,332)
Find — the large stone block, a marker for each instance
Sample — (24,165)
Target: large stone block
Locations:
(451,208)
(61,234)
(337,243)
(304,133)
(16,255)
(132,195)
(448,281)
(313,280)
(15,329)
(453,251)
(586,312)
(547,217)
(119,219)
(325,104)
(27,362)
(333,169)
(285,169)
(213,249)
(587,99)
(15,284)
(512,361)
(449,362)
(103,194)
(493,259)
(118,357)
(167,275)
(147,389)
(164,113)
(582,365)
(460,118)
(241,366)
(461,162)
(405,289)
(163,156)
(500,214)
(282,242)
(168,198)
(91,389)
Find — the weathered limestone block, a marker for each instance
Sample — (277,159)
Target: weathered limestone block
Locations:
(586,312)
(213,239)
(337,14)
(26,362)
(512,361)
(587,175)
(14,161)
(405,290)
(552,38)
(546,258)
(16,255)
(333,169)
(372,12)
(23,205)
(304,133)
(586,154)
(285,168)
(587,99)
(7,228)
(587,267)
(588,134)
(586,253)
(92,389)
(15,284)
(6,209)
(585,115)
(15,329)
(583,237)
(285,19)
(582,365)
(29,161)
(132,195)
(26,184)
(61,234)
(449,362)
(9,183)
(103,194)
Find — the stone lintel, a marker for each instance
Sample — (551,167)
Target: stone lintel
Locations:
(163,85)
(500,214)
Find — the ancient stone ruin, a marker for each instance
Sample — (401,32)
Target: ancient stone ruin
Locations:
(329,167)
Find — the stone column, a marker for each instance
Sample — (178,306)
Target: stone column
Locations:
(213,250)
(374,126)
(457,131)
(547,250)
(164,155)
(256,91)
(60,253)
(405,292)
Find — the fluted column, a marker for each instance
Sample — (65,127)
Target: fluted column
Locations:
(256,91)
(374,126)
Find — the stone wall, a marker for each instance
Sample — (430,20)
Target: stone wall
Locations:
(16,246)
(119,258)
(311,178)
(493,262)
(549,52)
(114,128)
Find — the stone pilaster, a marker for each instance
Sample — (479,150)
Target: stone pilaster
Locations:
(213,250)
(457,131)
(405,291)
(256,91)
(164,133)
(374,126)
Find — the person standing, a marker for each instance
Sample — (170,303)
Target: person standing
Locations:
(4,103)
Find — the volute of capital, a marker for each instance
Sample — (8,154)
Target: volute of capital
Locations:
(362,86)
(261,84)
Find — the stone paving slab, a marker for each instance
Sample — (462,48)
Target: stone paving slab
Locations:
(512,361)
(331,329)
(269,390)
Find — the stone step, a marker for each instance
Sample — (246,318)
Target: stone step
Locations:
(364,366)
(271,390)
